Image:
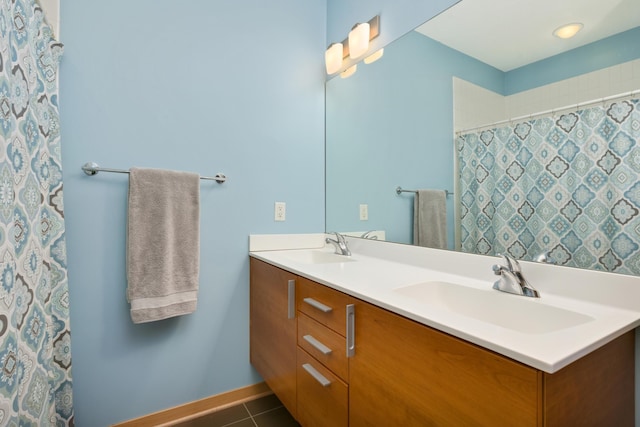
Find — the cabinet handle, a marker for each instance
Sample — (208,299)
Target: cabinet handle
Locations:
(316,304)
(291,301)
(351,330)
(316,375)
(317,344)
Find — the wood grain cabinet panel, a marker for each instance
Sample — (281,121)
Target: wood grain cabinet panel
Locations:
(336,301)
(310,330)
(406,374)
(320,405)
(597,390)
(272,331)
(321,328)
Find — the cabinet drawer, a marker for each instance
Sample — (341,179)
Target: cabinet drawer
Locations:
(325,345)
(323,398)
(323,304)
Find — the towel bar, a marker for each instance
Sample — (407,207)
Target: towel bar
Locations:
(92,168)
(400,190)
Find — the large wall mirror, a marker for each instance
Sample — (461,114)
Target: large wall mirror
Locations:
(535,138)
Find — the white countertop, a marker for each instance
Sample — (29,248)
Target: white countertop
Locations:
(377,269)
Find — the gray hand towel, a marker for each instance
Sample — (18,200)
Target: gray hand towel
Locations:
(163,243)
(430,219)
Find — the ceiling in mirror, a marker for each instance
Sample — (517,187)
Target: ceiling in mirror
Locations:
(526,27)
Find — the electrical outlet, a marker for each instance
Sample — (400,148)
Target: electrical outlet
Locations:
(280,211)
(364,212)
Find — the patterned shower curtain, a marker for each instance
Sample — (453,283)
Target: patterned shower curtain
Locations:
(35,357)
(569,186)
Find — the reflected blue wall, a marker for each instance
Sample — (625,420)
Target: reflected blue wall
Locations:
(391,125)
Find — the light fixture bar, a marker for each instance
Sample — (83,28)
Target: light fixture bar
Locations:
(374,31)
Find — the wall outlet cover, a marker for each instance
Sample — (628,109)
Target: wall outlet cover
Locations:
(280,211)
(364,212)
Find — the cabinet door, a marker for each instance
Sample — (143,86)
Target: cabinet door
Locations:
(273,330)
(406,374)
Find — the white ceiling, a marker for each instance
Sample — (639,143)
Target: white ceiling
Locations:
(508,34)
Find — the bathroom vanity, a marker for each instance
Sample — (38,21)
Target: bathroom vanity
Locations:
(337,356)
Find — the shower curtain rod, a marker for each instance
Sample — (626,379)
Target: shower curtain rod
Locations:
(553,111)
(400,190)
(92,168)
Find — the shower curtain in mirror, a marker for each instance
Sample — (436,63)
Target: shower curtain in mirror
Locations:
(35,357)
(567,185)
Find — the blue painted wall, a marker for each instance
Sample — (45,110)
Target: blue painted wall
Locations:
(203,86)
(391,125)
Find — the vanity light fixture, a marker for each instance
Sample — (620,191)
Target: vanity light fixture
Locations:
(333,58)
(568,31)
(354,46)
(359,40)
(374,57)
(349,71)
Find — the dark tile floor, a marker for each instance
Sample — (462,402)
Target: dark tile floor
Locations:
(263,412)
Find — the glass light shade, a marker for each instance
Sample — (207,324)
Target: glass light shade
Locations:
(374,57)
(333,58)
(359,40)
(349,71)
(568,31)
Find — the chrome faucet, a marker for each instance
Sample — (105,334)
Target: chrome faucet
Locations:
(511,279)
(544,258)
(369,235)
(340,243)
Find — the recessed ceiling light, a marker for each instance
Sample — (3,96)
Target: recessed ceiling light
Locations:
(568,31)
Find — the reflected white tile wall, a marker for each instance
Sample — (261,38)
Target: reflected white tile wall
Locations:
(587,87)
(52,11)
(475,106)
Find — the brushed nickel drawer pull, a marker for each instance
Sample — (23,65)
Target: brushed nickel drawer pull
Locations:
(316,375)
(351,330)
(291,301)
(316,304)
(317,345)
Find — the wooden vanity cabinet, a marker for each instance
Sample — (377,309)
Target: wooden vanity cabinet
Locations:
(273,329)
(407,374)
(418,376)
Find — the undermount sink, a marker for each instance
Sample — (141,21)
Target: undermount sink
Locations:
(518,313)
(317,257)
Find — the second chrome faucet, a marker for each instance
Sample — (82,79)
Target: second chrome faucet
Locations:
(511,279)
(340,243)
